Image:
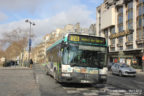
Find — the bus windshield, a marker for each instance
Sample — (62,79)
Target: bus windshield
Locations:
(84,57)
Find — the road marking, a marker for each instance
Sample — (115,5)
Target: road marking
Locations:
(72,91)
(67,88)
(90,94)
(82,89)
(115,94)
(107,91)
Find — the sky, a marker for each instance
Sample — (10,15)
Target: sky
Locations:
(46,14)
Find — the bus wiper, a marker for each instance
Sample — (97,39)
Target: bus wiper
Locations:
(73,64)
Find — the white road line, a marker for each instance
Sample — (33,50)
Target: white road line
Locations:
(115,94)
(90,94)
(82,89)
(72,91)
(67,88)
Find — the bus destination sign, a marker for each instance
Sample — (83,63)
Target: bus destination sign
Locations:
(86,39)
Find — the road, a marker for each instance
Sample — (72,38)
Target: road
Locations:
(34,82)
(49,87)
(127,82)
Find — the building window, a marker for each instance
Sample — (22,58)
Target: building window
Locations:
(139,22)
(140,19)
(121,48)
(120,40)
(120,19)
(106,33)
(130,38)
(130,47)
(112,49)
(120,43)
(120,27)
(143,21)
(139,34)
(141,1)
(112,41)
(129,15)
(112,30)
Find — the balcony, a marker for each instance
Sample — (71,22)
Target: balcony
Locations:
(120,45)
(141,41)
(112,45)
(129,43)
(126,1)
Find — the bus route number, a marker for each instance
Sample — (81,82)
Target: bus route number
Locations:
(74,38)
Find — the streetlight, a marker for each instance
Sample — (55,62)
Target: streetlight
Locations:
(143,55)
(31,23)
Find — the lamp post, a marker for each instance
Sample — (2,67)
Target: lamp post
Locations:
(31,23)
(143,56)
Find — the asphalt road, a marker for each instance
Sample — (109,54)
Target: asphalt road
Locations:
(49,87)
(34,82)
(127,82)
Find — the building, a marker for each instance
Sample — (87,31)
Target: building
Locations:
(92,29)
(122,23)
(2,60)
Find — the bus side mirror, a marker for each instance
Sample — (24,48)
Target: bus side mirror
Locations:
(62,44)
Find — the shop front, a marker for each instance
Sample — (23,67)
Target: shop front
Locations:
(130,57)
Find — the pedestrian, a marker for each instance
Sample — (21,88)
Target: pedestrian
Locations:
(31,63)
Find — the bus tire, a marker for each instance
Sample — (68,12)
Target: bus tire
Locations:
(47,73)
(55,75)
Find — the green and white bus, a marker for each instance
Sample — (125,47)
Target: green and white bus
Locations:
(78,59)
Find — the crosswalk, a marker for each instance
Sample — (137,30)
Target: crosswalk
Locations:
(108,90)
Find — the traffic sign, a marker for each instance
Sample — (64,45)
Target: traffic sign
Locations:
(30,41)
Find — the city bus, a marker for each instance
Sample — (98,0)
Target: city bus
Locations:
(78,59)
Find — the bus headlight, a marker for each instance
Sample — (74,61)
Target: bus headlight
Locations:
(66,75)
(103,71)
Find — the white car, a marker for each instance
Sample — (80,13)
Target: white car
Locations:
(123,70)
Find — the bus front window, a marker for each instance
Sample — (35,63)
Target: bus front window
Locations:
(84,58)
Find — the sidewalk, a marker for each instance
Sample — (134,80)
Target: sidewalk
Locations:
(139,71)
(19,82)
(15,67)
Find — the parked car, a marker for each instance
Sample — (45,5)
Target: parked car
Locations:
(123,70)
(10,63)
(110,65)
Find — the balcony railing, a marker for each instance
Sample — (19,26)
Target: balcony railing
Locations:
(141,41)
(129,43)
(112,45)
(119,45)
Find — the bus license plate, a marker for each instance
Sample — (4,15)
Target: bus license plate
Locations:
(85,81)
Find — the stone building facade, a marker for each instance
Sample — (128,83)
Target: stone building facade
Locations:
(122,23)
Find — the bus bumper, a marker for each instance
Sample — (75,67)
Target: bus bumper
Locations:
(80,78)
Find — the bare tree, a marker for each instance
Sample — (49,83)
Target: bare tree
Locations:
(14,42)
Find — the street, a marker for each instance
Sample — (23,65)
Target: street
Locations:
(49,87)
(127,82)
(34,82)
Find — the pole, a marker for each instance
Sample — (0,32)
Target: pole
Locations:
(143,56)
(29,42)
(29,53)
